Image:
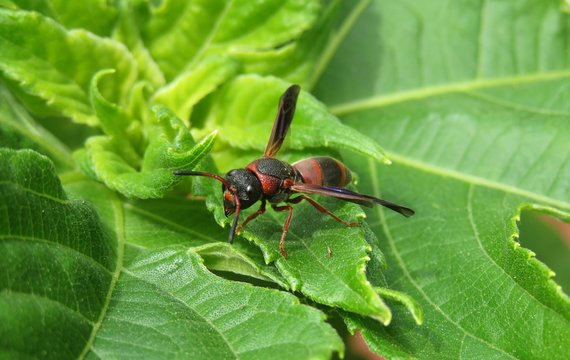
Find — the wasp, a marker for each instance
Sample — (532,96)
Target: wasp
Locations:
(281,184)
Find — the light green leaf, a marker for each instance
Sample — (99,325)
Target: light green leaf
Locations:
(114,121)
(302,61)
(404,299)
(475,121)
(66,291)
(56,65)
(170,147)
(96,16)
(127,31)
(244,111)
(179,33)
(182,94)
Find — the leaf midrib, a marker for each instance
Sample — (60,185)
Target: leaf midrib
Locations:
(120,233)
(476,180)
(378,101)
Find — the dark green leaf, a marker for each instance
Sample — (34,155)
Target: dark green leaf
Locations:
(200,316)
(65,291)
(57,262)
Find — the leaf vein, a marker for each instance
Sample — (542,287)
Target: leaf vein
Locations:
(176,299)
(120,232)
(169,223)
(476,180)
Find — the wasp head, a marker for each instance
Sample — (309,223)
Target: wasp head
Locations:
(243,184)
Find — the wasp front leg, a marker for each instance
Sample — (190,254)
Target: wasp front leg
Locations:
(260,211)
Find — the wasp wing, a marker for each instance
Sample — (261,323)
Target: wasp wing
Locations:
(283,120)
(347,195)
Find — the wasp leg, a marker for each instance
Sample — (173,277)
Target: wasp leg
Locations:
(285,226)
(260,211)
(322,209)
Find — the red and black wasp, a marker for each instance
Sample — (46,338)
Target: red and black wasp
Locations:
(274,181)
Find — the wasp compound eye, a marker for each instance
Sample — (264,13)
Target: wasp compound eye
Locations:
(247,185)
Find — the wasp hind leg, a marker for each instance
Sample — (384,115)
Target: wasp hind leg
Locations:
(322,209)
(285,226)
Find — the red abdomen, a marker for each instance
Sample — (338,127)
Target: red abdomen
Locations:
(323,171)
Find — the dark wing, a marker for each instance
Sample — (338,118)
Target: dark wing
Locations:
(283,120)
(344,194)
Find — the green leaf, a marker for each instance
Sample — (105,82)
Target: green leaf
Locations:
(60,63)
(113,119)
(195,83)
(475,121)
(56,261)
(154,224)
(404,299)
(170,147)
(326,260)
(95,16)
(201,316)
(225,257)
(181,33)
(244,111)
(66,292)
(18,130)
(127,31)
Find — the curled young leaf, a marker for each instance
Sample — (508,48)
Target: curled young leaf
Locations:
(170,147)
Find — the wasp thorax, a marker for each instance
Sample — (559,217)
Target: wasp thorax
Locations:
(247,188)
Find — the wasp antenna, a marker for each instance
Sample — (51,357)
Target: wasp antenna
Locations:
(228,186)
(200,173)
